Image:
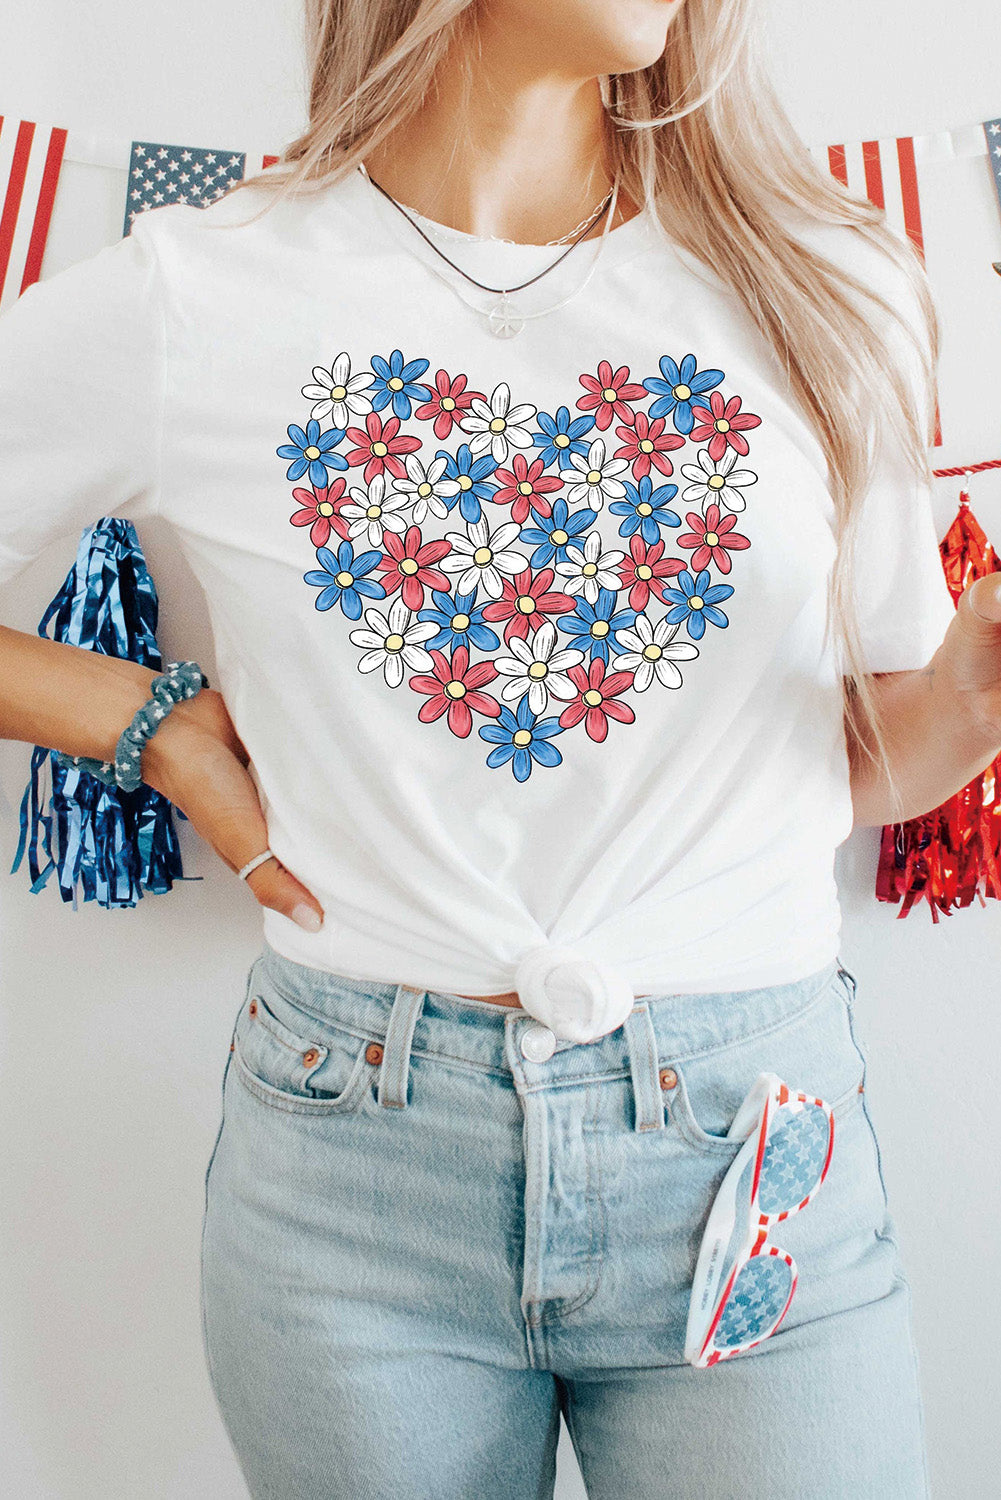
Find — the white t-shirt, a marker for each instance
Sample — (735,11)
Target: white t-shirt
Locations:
(559,682)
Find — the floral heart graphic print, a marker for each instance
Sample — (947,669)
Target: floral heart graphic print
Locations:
(521,615)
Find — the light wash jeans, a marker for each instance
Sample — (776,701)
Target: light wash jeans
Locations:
(423,1241)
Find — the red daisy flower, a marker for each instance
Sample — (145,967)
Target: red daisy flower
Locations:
(407,565)
(646,570)
(454,689)
(379,445)
(524,486)
(597,699)
(608,395)
(712,537)
(319,512)
(526,601)
(722,423)
(647,443)
(449,403)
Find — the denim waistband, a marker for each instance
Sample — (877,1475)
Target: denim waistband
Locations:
(482,1033)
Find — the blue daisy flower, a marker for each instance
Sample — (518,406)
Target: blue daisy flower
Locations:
(555,533)
(694,601)
(521,738)
(341,577)
(464,467)
(396,382)
(461,625)
(311,450)
(593,627)
(645,509)
(560,436)
(680,384)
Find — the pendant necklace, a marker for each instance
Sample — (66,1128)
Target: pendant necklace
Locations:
(503,318)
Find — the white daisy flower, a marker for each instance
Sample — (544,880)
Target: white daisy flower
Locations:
(425,486)
(597,483)
(393,643)
(375,512)
(538,669)
(481,556)
(650,650)
(717,480)
(337,393)
(587,570)
(495,426)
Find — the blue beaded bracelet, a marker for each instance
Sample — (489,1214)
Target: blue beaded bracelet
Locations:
(180,679)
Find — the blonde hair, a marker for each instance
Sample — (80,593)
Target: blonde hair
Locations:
(725,173)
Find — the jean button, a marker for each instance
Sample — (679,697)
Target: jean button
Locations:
(538,1042)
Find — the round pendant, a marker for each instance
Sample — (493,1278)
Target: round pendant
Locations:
(503,320)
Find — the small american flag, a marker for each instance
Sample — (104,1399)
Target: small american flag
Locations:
(992,130)
(31,156)
(885,172)
(159,173)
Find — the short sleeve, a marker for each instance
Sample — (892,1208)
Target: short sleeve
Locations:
(902,598)
(81,400)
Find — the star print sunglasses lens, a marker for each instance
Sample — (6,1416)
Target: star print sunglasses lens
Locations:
(743,1286)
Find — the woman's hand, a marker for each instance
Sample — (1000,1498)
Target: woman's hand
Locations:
(971,650)
(197,760)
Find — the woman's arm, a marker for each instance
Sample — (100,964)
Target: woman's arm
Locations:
(943,720)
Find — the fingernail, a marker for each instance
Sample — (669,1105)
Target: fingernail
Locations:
(997,592)
(306,917)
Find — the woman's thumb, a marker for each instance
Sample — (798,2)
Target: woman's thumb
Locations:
(274,886)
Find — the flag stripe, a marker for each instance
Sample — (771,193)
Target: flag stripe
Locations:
(909,192)
(836,161)
(15,176)
(873,170)
(43,212)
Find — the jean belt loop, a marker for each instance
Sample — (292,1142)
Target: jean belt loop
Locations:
(641,1040)
(394,1071)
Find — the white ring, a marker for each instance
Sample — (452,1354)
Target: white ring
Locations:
(253,863)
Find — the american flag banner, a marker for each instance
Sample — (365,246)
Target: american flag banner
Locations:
(159,173)
(31,156)
(992,133)
(884,171)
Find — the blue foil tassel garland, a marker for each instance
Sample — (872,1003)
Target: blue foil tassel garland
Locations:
(116,845)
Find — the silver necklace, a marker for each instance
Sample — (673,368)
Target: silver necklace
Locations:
(503,318)
(445,232)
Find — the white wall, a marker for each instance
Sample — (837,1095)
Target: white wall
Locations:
(115,1024)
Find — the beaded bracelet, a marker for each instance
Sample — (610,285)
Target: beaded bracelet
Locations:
(180,679)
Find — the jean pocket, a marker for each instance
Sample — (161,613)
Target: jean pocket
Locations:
(814,1050)
(293,1061)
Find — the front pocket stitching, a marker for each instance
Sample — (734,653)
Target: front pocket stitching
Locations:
(348,1099)
(690,1129)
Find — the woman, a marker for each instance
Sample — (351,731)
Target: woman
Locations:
(532,739)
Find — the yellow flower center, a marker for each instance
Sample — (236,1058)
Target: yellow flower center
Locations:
(711,539)
(592,697)
(311,452)
(716,481)
(344,579)
(644,571)
(394,642)
(460,622)
(538,670)
(447,403)
(526,604)
(424,489)
(525,487)
(455,689)
(498,424)
(409,566)
(589,569)
(380,449)
(324,508)
(609,395)
(722,425)
(645,445)
(682,392)
(599,629)
(593,476)
(395,383)
(559,537)
(373,511)
(465,483)
(482,556)
(521,737)
(644,508)
(339,392)
(561,440)
(695,602)
(652,652)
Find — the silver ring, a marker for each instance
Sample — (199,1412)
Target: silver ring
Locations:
(253,863)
